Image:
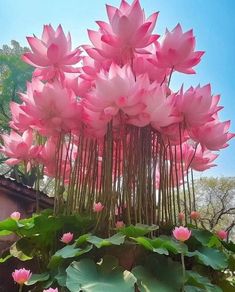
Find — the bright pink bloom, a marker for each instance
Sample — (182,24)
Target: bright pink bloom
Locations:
(158,110)
(20,120)
(200,159)
(54,108)
(181,216)
(51,290)
(67,237)
(21,276)
(198,105)
(213,135)
(19,148)
(52,55)
(222,234)
(195,215)
(177,51)
(119,224)
(98,207)
(15,215)
(79,86)
(181,233)
(127,32)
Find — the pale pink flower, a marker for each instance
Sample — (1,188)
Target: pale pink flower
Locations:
(181,233)
(19,148)
(213,135)
(158,108)
(195,215)
(119,224)
(20,120)
(98,207)
(67,237)
(15,215)
(181,216)
(222,234)
(127,32)
(198,105)
(177,51)
(51,290)
(52,107)
(52,54)
(195,157)
(21,276)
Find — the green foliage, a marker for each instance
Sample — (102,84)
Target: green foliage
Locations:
(88,276)
(13,76)
(86,264)
(137,230)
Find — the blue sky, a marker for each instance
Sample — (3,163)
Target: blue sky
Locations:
(213,23)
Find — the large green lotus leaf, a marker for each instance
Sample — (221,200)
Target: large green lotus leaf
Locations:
(206,238)
(137,230)
(70,251)
(200,282)
(8,225)
(35,278)
(82,239)
(147,282)
(87,276)
(189,288)
(161,245)
(116,239)
(210,257)
(18,253)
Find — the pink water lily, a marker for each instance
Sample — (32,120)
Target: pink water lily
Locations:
(198,106)
(52,54)
(21,276)
(51,290)
(195,215)
(15,216)
(177,51)
(19,148)
(67,237)
(181,233)
(222,234)
(98,207)
(127,31)
(52,107)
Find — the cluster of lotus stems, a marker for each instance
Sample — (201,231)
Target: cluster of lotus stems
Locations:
(103,121)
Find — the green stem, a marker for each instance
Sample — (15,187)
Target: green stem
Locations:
(21,288)
(183,269)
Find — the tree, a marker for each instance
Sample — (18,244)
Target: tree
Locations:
(13,76)
(215,199)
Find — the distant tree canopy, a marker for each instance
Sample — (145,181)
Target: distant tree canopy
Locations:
(13,76)
(215,199)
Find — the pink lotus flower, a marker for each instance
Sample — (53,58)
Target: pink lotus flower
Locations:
(52,55)
(158,110)
(222,234)
(119,224)
(51,290)
(198,105)
(181,216)
(177,51)
(98,207)
(195,215)
(67,237)
(15,216)
(52,107)
(127,32)
(21,276)
(213,135)
(19,148)
(181,233)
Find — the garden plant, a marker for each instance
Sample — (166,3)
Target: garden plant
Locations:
(121,146)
